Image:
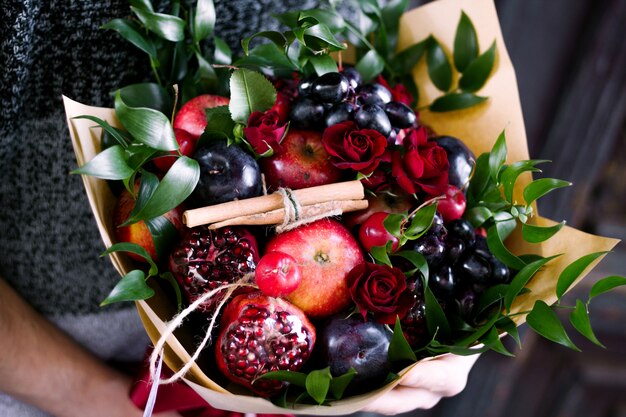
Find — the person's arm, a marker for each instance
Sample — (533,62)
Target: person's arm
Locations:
(426,384)
(42,366)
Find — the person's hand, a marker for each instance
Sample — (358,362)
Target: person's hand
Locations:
(425,385)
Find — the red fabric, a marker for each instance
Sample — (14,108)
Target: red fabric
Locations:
(177,396)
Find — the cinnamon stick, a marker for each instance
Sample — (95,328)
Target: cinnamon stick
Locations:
(342,191)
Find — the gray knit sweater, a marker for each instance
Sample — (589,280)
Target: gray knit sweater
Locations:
(49,243)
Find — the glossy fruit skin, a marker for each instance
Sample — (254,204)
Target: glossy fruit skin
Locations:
(187,145)
(372,116)
(374,93)
(192,116)
(443,281)
(138,232)
(277,274)
(460,158)
(414,323)
(373,233)
(463,229)
(453,206)
(340,112)
(259,334)
(351,342)
(226,173)
(400,115)
(206,259)
(331,87)
(353,76)
(306,113)
(387,202)
(326,252)
(432,248)
(301,162)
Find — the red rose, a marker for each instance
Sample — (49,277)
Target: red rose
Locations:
(398,92)
(353,148)
(265,131)
(377,181)
(380,290)
(420,165)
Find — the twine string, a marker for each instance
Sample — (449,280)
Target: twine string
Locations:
(294,217)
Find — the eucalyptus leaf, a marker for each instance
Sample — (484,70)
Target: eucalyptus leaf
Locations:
(146,125)
(318,383)
(339,383)
(541,187)
(455,101)
(606,284)
(436,320)
(137,250)
(571,272)
(323,64)
(176,186)
(439,69)
(580,320)
(512,172)
(465,43)
(203,20)
(370,65)
(520,280)
(497,157)
(130,288)
(477,72)
(131,32)
(545,322)
(109,164)
(250,92)
(166,26)
(399,348)
(537,234)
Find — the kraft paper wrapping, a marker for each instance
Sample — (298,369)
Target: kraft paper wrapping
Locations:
(478,127)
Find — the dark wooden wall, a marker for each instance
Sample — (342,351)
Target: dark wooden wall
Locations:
(570,60)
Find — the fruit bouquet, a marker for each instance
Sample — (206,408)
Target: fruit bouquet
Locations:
(297,231)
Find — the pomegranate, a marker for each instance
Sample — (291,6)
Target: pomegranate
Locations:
(259,334)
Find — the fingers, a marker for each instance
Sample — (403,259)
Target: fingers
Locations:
(446,375)
(403,399)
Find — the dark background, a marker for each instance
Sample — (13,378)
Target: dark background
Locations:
(570,60)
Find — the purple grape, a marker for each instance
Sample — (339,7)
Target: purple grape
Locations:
(373,94)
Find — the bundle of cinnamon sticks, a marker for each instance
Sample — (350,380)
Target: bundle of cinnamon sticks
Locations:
(270,210)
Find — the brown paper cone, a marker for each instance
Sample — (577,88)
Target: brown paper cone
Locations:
(478,127)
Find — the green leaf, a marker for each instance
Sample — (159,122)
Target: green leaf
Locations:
(179,298)
(541,187)
(203,20)
(330,18)
(107,128)
(318,384)
(437,349)
(478,215)
(393,223)
(479,332)
(223,55)
(323,64)
(476,74)
(339,383)
(439,69)
(512,172)
(131,32)
(295,378)
(436,320)
(605,285)
(573,271)
(250,92)
(146,125)
(176,186)
(138,154)
(148,184)
(509,326)
(277,38)
(455,101)
(497,157)
(269,59)
(521,279)
(421,222)
(166,26)
(537,234)
(417,259)
(399,348)
(580,320)
(492,339)
(480,181)
(546,323)
(490,296)
(164,235)
(497,248)
(219,125)
(465,43)
(109,164)
(390,14)
(370,65)
(149,95)
(141,4)
(130,288)
(206,78)
(319,38)
(380,255)
(137,250)
(404,62)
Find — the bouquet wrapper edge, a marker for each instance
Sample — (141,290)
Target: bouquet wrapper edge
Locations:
(478,127)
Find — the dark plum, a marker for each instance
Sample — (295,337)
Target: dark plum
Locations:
(373,94)
(307,114)
(226,173)
(340,112)
(400,115)
(331,87)
(371,116)
(443,282)
(432,248)
(460,158)
(351,342)
(353,76)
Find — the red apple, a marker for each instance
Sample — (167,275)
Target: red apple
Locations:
(138,232)
(192,117)
(187,145)
(302,162)
(388,202)
(326,252)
